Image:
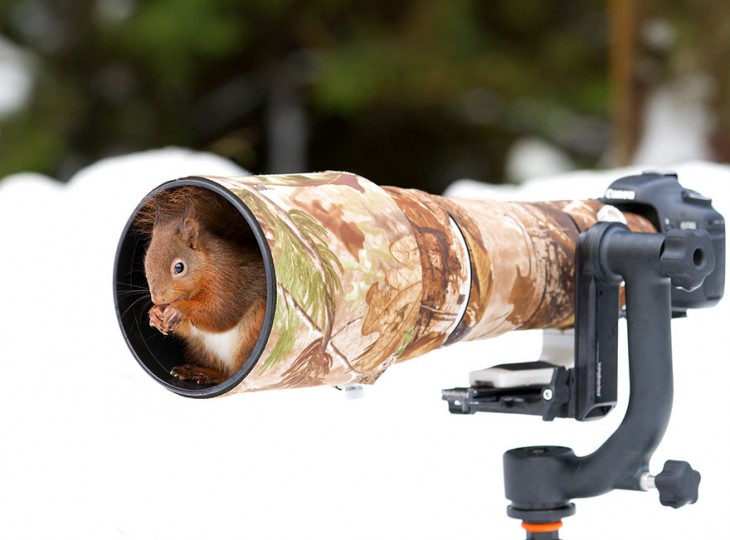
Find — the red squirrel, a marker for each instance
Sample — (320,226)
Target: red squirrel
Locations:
(206,279)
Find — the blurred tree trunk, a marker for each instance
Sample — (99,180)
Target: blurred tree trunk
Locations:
(622,60)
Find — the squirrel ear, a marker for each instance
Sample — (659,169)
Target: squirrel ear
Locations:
(190,231)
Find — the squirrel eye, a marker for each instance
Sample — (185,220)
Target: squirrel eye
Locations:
(179,267)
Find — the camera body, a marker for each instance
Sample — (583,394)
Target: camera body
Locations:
(661,199)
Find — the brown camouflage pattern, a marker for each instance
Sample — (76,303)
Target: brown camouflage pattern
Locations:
(445,269)
(367,276)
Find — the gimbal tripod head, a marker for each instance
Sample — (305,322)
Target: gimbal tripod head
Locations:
(663,274)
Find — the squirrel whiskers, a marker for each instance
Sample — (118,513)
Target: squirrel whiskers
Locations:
(206,279)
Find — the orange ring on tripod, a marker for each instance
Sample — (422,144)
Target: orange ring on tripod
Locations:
(542,527)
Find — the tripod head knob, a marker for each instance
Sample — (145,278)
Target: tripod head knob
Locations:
(678,484)
(687,257)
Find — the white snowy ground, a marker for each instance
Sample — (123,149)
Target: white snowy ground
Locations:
(93,448)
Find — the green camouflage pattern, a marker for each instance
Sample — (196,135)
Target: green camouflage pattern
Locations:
(348,278)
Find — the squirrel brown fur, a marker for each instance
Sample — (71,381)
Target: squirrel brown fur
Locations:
(206,278)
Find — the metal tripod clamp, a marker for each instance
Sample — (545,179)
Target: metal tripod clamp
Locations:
(541,481)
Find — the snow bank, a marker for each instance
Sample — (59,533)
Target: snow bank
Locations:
(92,448)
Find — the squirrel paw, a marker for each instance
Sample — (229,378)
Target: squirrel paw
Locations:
(200,375)
(165,318)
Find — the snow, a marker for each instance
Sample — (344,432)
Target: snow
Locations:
(529,157)
(677,121)
(93,448)
(16,76)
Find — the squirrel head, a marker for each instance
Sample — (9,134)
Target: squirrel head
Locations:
(175,262)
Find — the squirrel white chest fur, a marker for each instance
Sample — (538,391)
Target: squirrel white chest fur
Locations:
(223,345)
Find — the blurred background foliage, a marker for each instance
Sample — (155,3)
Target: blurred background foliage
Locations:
(415,93)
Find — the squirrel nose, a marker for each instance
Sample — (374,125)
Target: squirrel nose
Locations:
(155,297)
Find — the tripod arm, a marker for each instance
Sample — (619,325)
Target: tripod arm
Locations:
(540,481)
